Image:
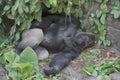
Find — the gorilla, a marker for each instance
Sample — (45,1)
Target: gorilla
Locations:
(56,34)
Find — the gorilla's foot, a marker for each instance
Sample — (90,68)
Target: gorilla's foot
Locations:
(51,70)
(41,52)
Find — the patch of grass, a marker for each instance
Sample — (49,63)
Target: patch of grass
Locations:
(96,64)
(90,57)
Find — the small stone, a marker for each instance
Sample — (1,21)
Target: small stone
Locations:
(2,73)
(90,78)
(115,76)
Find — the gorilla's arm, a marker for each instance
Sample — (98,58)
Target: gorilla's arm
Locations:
(61,60)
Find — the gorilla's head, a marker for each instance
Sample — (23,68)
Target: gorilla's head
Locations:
(84,40)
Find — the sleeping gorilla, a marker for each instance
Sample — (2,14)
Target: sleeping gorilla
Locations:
(60,35)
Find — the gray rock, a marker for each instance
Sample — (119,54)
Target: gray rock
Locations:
(71,74)
(90,78)
(2,73)
(115,76)
(113,33)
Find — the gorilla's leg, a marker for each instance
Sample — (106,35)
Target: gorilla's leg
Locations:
(60,60)
(31,42)
(31,38)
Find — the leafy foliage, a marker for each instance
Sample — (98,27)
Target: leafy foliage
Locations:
(24,11)
(115,8)
(103,69)
(99,64)
(22,67)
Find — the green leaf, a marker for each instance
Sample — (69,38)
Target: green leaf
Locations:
(28,56)
(26,25)
(20,9)
(87,5)
(38,16)
(13,29)
(27,1)
(10,56)
(103,19)
(117,66)
(13,12)
(1,1)
(94,29)
(98,13)
(102,38)
(100,77)
(91,21)
(2,60)
(16,5)
(75,1)
(107,77)
(25,68)
(89,70)
(0,20)
(116,13)
(97,22)
(10,16)
(95,51)
(17,36)
(46,2)
(7,7)
(53,2)
(104,8)
(26,9)
(106,43)
(99,1)
(13,72)
(95,73)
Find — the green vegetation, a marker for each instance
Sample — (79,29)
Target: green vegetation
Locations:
(22,67)
(97,65)
(103,69)
(24,11)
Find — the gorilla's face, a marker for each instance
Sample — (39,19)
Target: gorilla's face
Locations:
(84,40)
